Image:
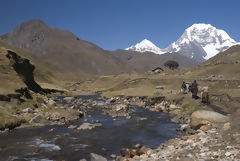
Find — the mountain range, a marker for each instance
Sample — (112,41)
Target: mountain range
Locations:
(199,42)
(68,55)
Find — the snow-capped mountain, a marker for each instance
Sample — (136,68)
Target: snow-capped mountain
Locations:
(201,42)
(145,46)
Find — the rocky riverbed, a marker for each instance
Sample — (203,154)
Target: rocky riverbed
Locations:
(205,135)
(96,131)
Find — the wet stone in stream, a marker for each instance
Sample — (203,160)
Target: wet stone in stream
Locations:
(65,142)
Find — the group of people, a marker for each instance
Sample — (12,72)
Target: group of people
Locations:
(193,88)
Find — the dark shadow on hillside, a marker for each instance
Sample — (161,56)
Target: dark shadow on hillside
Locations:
(25,69)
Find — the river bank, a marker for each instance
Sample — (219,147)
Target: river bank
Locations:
(125,126)
(203,139)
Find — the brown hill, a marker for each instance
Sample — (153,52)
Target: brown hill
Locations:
(69,56)
(64,51)
(148,61)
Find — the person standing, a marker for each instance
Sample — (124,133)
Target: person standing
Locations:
(183,88)
(194,89)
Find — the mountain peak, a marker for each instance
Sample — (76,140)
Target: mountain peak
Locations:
(200,26)
(202,41)
(145,46)
(32,24)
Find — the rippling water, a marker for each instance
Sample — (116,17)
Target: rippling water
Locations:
(42,144)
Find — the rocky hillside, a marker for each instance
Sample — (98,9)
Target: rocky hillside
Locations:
(17,74)
(72,57)
(149,60)
(63,50)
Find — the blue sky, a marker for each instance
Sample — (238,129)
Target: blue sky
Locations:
(116,24)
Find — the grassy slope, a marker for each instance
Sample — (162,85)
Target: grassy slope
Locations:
(223,84)
(9,79)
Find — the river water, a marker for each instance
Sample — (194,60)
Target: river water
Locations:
(43,144)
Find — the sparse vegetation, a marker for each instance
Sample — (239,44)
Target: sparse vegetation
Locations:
(171,64)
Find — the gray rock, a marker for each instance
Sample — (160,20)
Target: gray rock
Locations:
(113,156)
(210,116)
(111,100)
(119,107)
(160,87)
(203,117)
(184,127)
(36,119)
(226,126)
(137,146)
(83,160)
(44,105)
(100,103)
(68,98)
(72,127)
(27,110)
(96,157)
(51,102)
(88,126)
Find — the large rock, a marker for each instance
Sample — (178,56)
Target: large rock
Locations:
(160,87)
(88,126)
(27,110)
(119,107)
(51,102)
(203,117)
(96,157)
(37,119)
(226,126)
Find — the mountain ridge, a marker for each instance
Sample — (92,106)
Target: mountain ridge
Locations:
(71,56)
(199,41)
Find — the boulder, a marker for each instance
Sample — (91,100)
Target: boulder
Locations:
(133,152)
(206,127)
(113,156)
(36,119)
(173,107)
(83,160)
(203,117)
(210,116)
(72,127)
(197,123)
(119,107)
(125,152)
(226,126)
(27,110)
(88,126)
(96,157)
(143,150)
(51,102)
(111,100)
(100,103)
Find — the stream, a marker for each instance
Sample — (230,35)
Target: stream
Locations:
(58,142)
